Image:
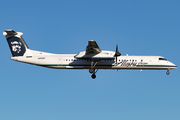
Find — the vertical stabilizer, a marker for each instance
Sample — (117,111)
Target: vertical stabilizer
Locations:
(16,43)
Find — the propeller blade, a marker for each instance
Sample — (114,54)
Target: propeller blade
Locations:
(117,53)
(116,60)
(116,48)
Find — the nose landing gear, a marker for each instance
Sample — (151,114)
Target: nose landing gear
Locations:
(167,72)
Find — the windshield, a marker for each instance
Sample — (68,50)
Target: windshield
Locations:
(162,59)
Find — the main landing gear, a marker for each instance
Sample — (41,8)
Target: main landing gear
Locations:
(92,70)
(93,76)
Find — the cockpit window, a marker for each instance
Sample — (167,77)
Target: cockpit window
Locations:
(162,59)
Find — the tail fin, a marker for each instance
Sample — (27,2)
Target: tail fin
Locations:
(16,43)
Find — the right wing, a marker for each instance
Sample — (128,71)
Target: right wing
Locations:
(92,48)
(94,53)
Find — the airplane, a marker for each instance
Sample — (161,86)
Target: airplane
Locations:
(93,58)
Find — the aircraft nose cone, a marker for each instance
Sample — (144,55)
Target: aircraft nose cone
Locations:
(174,66)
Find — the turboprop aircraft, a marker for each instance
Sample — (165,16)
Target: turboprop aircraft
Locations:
(93,58)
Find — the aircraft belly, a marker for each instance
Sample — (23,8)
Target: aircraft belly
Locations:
(75,67)
(54,66)
(106,67)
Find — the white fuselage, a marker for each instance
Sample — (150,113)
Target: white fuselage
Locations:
(93,58)
(68,61)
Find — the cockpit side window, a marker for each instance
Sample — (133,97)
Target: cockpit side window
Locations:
(162,59)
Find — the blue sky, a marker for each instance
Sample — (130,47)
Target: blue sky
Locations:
(139,27)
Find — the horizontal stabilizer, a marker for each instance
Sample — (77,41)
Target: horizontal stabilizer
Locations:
(10,32)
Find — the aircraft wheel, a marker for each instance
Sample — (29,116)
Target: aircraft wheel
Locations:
(93,76)
(168,72)
(91,70)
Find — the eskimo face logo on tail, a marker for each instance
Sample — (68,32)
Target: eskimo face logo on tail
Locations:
(16,46)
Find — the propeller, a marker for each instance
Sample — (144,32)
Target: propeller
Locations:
(117,53)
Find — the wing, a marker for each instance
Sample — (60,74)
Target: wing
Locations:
(92,48)
(93,52)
